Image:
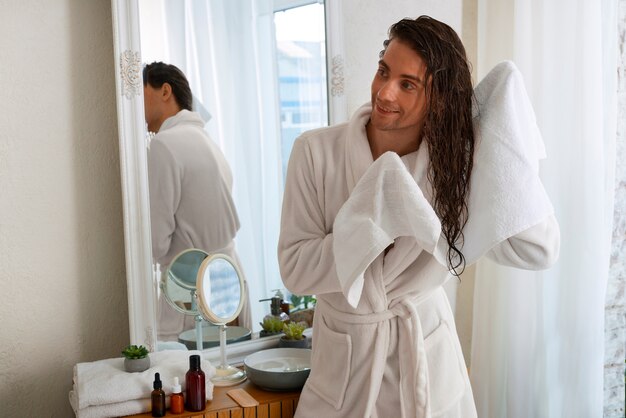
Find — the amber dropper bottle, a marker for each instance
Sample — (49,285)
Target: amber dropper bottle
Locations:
(158,397)
(195,386)
(177,400)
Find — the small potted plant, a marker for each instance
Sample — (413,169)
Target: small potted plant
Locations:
(271,326)
(294,337)
(136,358)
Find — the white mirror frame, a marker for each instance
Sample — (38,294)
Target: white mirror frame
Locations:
(141,285)
(134,172)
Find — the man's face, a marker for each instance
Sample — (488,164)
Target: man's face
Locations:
(398,91)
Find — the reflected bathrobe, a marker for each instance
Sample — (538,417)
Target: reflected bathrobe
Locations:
(392,351)
(190,181)
(191,203)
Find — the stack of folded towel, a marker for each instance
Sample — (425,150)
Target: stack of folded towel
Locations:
(103,389)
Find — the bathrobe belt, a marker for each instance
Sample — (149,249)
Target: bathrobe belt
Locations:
(413,365)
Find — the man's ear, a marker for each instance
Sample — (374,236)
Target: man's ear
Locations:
(166,91)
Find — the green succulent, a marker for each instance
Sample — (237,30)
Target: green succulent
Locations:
(294,330)
(272,325)
(135,352)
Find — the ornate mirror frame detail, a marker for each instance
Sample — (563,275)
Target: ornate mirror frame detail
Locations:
(141,284)
(134,172)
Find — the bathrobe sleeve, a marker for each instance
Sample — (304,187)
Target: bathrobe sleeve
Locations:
(164,187)
(305,246)
(536,248)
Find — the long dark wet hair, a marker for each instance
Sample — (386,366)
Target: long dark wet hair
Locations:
(448,128)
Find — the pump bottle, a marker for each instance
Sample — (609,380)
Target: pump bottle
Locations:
(276,309)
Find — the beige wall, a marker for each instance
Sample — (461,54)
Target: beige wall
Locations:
(61,231)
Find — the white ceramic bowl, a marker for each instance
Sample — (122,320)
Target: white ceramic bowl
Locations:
(279,368)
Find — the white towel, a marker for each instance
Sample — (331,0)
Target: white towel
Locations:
(385,204)
(106,385)
(118,409)
(506,195)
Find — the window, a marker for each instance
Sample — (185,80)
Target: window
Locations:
(301,68)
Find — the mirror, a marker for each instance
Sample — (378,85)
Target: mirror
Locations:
(209,287)
(181,288)
(142,283)
(178,286)
(179,283)
(221,295)
(220,289)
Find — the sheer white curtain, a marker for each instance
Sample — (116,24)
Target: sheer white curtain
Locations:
(226,49)
(537,346)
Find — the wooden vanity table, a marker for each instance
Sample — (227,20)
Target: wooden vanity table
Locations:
(271,404)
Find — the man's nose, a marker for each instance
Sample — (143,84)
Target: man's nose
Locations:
(387,92)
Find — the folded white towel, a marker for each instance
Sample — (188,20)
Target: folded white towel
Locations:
(105,382)
(119,409)
(385,204)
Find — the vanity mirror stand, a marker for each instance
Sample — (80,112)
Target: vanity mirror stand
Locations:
(209,287)
(221,296)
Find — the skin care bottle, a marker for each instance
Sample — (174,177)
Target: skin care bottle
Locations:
(158,397)
(177,400)
(195,385)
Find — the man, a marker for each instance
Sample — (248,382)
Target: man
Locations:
(190,182)
(384,338)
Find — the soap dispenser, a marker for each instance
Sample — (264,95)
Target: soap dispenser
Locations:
(284,305)
(275,308)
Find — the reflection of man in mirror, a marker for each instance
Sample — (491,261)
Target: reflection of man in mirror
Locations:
(190,183)
(379,212)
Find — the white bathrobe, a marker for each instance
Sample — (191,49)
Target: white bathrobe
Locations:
(396,353)
(191,204)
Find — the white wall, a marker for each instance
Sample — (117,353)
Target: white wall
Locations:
(61,231)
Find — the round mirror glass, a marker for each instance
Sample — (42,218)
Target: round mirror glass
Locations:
(220,289)
(179,284)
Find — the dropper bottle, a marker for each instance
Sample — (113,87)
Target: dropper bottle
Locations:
(158,397)
(177,400)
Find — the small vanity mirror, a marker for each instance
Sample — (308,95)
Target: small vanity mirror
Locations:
(179,282)
(220,291)
(210,287)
